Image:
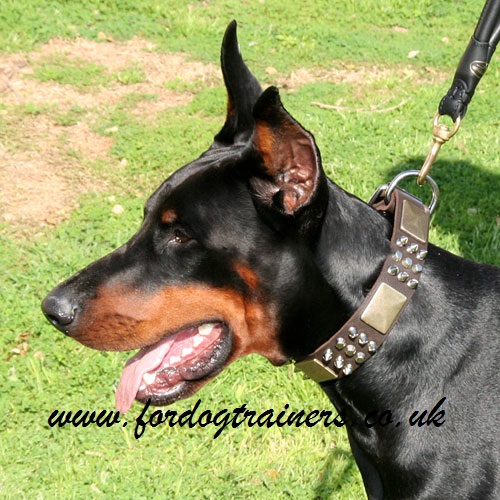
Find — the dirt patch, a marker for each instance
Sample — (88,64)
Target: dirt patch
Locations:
(45,146)
(41,177)
(43,162)
(17,84)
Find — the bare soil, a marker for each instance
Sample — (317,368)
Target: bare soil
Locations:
(43,164)
(41,168)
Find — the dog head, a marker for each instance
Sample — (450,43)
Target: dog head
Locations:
(222,264)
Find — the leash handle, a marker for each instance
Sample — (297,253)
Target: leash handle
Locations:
(474,62)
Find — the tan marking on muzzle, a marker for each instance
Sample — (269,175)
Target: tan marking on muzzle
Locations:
(121,319)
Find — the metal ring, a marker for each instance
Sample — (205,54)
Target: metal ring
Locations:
(413,173)
(378,194)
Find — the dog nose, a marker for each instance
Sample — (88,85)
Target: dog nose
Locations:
(60,311)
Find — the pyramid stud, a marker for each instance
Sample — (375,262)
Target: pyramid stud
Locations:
(397,256)
(340,344)
(372,347)
(417,268)
(403,276)
(407,262)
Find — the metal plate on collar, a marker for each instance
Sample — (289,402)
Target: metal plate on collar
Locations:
(315,370)
(383,308)
(414,221)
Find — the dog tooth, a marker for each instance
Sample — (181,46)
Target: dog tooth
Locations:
(174,360)
(149,378)
(206,329)
(197,341)
(142,387)
(187,351)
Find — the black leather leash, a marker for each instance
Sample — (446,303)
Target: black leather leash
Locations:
(469,72)
(474,62)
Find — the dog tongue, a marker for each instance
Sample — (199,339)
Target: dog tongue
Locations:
(146,360)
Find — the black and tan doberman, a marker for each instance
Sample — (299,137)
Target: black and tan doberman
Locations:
(252,249)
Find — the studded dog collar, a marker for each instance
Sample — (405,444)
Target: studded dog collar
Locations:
(359,338)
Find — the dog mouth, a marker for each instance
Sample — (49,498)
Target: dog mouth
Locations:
(174,367)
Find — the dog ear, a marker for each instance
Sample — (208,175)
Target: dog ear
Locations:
(243,90)
(292,175)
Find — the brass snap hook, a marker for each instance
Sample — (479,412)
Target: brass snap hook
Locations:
(441,133)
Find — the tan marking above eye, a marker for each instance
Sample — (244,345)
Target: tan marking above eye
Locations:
(169,216)
(247,275)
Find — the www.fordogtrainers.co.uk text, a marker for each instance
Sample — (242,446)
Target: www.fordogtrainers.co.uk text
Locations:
(241,415)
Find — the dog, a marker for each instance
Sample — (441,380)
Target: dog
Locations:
(252,249)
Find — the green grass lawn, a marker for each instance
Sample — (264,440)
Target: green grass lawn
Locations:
(353,56)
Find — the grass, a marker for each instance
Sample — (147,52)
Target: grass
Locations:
(43,371)
(67,72)
(83,75)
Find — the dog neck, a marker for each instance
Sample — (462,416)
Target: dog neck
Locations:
(353,244)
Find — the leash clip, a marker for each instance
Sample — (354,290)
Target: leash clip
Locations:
(440,134)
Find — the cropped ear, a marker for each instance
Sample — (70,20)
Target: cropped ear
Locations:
(243,90)
(293,178)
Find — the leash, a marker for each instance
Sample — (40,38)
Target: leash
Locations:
(470,70)
(366,330)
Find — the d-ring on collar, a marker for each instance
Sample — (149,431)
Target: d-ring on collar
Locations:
(358,340)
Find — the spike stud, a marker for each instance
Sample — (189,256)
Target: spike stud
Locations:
(393,270)
(350,350)
(413,248)
(363,339)
(413,283)
(338,363)
(348,369)
(360,358)
(422,254)
(353,332)
(327,356)
(402,241)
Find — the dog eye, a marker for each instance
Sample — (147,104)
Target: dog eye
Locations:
(179,237)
